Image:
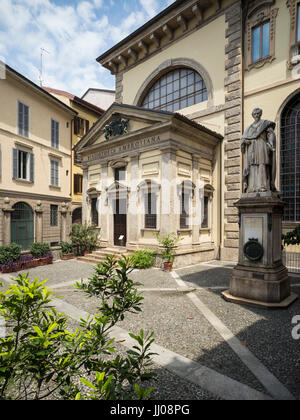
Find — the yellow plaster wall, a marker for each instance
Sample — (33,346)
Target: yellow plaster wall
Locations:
(39,142)
(196,46)
(84,114)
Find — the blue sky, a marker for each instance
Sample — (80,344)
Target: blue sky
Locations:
(74,33)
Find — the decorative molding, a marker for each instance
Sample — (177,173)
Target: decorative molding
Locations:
(260,13)
(292,5)
(182,22)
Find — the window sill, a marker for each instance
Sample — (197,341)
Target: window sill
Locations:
(187,230)
(150,230)
(25,181)
(261,62)
(205,230)
(55,187)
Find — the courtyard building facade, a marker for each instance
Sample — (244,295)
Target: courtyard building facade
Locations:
(199,68)
(35,161)
(87,115)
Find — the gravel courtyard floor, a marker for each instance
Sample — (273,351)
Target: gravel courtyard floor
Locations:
(196,359)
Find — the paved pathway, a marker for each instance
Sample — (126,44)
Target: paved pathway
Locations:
(209,348)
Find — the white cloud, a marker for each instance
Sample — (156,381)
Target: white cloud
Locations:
(74,34)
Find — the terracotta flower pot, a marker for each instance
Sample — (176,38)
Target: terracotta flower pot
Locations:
(45,261)
(31,264)
(168,266)
(67,256)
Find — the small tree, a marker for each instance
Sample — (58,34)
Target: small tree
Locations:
(40,358)
(168,242)
(84,238)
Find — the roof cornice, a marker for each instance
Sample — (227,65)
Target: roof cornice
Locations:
(39,90)
(163,26)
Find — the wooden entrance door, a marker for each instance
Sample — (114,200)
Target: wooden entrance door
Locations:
(120,222)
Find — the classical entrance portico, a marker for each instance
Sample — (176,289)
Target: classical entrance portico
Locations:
(152,171)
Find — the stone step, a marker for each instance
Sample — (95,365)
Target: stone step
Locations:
(99,256)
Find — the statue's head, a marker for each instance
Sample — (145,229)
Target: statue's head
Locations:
(257,114)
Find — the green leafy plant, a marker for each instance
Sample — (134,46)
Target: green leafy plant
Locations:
(10,253)
(66,248)
(40,249)
(41,359)
(143,258)
(292,238)
(84,238)
(168,242)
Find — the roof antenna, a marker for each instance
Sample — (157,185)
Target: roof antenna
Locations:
(41,68)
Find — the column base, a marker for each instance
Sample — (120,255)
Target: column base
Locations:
(258,304)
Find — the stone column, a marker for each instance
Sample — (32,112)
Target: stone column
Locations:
(196,205)
(63,226)
(39,222)
(84,194)
(7,211)
(169,220)
(133,211)
(103,207)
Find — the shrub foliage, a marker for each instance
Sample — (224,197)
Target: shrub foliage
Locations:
(40,359)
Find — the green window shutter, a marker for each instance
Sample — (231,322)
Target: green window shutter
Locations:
(26,121)
(31,163)
(52,133)
(15,163)
(20,118)
(57,134)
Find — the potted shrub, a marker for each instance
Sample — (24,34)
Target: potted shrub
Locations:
(42,252)
(84,238)
(168,242)
(143,258)
(66,251)
(27,261)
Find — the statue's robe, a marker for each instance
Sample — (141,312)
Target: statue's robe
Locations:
(256,154)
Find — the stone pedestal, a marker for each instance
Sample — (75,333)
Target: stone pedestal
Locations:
(260,278)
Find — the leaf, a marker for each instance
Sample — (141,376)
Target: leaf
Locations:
(38,331)
(88,384)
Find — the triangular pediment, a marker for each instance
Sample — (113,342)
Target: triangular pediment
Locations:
(120,121)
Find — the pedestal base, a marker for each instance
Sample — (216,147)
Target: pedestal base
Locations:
(266,305)
(260,278)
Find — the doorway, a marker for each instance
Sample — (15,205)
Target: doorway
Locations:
(120,222)
(22,226)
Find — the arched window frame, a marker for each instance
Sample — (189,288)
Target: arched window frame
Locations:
(289,100)
(174,64)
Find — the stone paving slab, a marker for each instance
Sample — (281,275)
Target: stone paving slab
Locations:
(266,333)
(181,328)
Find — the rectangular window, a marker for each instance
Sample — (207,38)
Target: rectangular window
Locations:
(260,41)
(54,173)
(78,184)
(94,211)
(184,211)
(120,174)
(23,120)
(53,215)
(54,134)
(23,165)
(81,126)
(150,211)
(205,210)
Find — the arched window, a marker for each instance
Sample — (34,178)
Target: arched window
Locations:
(290,159)
(177,89)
